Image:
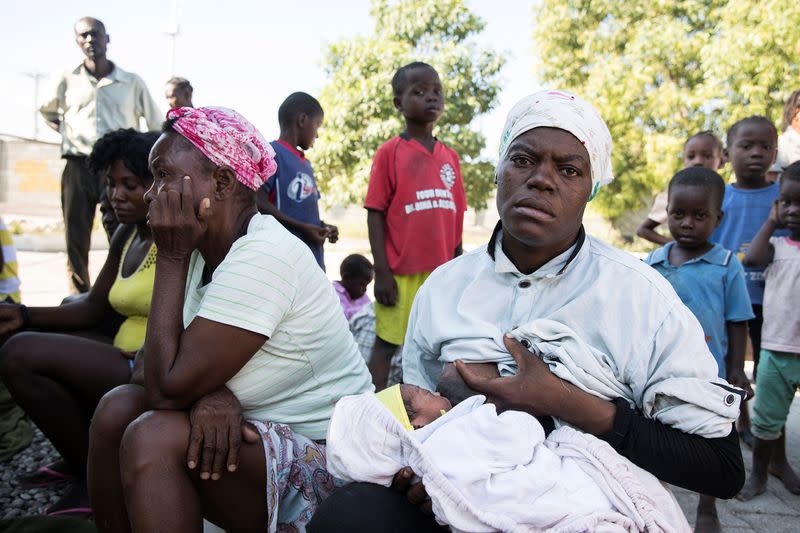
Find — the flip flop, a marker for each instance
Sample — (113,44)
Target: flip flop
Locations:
(73,511)
(43,477)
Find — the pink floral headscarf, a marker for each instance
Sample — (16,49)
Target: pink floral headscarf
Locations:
(227,138)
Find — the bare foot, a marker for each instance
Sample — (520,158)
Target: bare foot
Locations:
(755,485)
(707,519)
(783,471)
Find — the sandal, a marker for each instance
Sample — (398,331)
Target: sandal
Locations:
(74,503)
(44,477)
(81,512)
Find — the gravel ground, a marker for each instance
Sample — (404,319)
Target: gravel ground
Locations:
(15,502)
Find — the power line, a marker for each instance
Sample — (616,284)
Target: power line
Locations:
(36,77)
(172,31)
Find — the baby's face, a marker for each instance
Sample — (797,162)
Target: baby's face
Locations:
(425,406)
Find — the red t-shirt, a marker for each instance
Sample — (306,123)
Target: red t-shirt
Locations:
(422,196)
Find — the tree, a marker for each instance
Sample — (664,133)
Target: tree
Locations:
(360,115)
(755,58)
(660,71)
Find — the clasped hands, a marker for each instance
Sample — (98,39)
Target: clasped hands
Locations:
(217,432)
(11,319)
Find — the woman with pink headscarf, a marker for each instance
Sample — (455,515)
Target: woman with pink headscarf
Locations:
(246,352)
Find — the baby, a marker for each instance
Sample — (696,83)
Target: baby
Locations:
(413,406)
(489,471)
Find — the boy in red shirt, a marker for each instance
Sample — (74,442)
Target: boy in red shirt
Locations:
(415,203)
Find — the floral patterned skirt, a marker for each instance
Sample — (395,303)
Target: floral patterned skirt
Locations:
(297,477)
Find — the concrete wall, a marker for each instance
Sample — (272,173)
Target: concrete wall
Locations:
(30,174)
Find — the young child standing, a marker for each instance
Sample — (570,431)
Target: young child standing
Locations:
(751,150)
(703,149)
(779,367)
(356,273)
(710,280)
(415,203)
(291,195)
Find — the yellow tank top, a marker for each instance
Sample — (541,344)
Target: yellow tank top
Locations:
(130,296)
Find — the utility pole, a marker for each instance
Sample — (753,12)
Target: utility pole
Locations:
(172,30)
(36,77)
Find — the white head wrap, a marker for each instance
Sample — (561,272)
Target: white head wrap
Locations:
(563,110)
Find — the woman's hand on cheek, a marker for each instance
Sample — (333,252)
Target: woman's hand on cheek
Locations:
(176,228)
(529,390)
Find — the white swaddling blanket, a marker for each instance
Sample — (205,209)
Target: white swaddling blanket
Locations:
(488,472)
(692,405)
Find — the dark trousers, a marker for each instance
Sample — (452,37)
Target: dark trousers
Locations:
(367,508)
(80,192)
(754,328)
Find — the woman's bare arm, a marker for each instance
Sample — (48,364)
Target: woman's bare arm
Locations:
(182,365)
(87,312)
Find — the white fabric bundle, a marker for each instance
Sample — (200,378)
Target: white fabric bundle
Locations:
(488,472)
(686,403)
(690,404)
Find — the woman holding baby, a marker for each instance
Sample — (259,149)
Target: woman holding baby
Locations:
(645,381)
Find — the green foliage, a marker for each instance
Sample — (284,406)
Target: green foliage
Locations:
(360,115)
(756,57)
(662,70)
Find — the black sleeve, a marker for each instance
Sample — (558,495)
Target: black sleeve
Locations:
(707,466)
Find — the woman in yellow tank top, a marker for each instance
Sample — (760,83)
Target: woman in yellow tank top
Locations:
(55,372)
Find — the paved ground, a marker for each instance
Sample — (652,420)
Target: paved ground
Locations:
(44,283)
(15,502)
(776,511)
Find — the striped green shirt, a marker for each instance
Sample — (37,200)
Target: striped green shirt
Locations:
(270,283)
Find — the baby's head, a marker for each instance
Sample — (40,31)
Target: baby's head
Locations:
(414,406)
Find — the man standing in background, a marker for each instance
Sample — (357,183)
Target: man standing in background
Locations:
(89,101)
(179,93)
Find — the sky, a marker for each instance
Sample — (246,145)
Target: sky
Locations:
(244,54)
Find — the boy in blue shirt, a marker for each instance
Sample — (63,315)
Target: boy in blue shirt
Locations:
(709,280)
(291,194)
(752,146)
